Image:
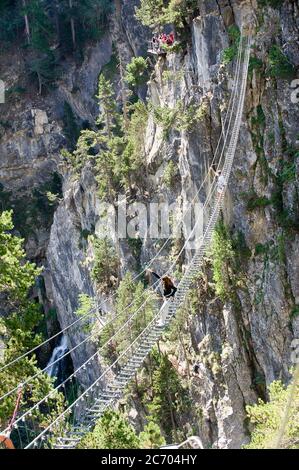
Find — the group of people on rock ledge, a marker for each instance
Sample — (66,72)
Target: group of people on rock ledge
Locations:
(162,40)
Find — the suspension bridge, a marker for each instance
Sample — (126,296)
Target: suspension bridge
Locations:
(78,418)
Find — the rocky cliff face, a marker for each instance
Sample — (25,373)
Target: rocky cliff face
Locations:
(241,344)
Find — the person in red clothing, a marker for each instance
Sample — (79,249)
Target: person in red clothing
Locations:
(170,39)
(164,38)
(6,441)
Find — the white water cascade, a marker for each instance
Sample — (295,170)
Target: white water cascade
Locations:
(54,363)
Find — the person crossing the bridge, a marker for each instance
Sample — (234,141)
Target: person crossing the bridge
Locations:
(221,183)
(6,441)
(169,288)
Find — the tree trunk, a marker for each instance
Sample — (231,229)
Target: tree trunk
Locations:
(27,26)
(40,85)
(73,26)
(123,93)
(136,385)
(172,414)
(118,9)
(151,370)
(185,355)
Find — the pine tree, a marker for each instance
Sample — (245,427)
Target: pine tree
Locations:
(131,296)
(105,264)
(108,117)
(169,400)
(16,277)
(11,21)
(18,331)
(276,422)
(116,149)
(150,12)
(42,61)
(136,72)
(151,437)
(112,431)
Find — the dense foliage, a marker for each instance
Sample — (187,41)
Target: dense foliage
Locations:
(113,431)
(154,13)
(116,148)
(230,53)
(136,72)
(131,296)
(106,263)
(169,400)
(267,418)
(279,64)
(18,329)
(50,29)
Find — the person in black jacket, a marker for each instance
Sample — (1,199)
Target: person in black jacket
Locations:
(169,288)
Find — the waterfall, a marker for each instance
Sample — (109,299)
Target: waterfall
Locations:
(58,352)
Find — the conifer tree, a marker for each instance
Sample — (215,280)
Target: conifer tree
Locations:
(169,396)
(42,62)
(112,431)
(131,296)
(151,437)
(17,330)
(108,116)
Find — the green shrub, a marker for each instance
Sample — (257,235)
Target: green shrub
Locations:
(136,72)
(279,64)
(259,119)
(180,118)
(187,119)
(267,418)
(166,118)
(230,53)
(271,3)
(295,312)
(154,13)
(261,249)
(254,201)
(151,437)
(176,47)
(170,173)
(222,256)
(255,64)
(287,173)
(106,262)
(112,431)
